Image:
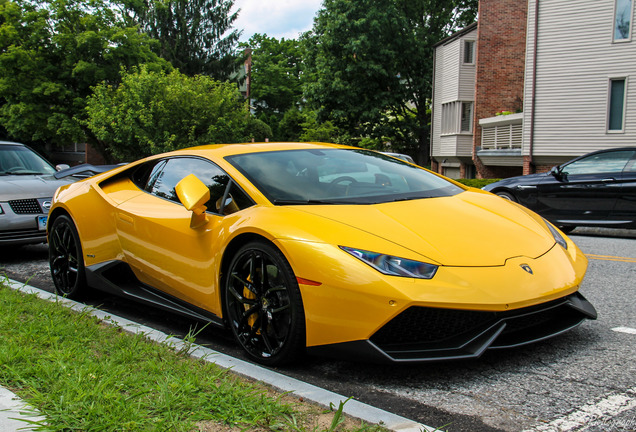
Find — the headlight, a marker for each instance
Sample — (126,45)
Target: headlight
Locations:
(392,265)
(557,236)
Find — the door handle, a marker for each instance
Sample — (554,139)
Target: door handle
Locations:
(125,218)
(608,180)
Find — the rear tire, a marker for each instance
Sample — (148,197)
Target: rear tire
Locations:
(263,305)
(66,260)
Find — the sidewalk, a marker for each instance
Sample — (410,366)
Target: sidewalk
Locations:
(13,408)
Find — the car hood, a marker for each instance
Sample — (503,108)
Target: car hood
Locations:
(469,229)
(29,186)
(530,179)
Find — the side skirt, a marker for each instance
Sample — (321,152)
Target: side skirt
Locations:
(116,277)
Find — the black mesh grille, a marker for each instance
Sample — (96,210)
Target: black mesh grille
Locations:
(25,206)
(427,325)
(421,326)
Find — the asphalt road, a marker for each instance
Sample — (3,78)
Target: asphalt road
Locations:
(584,380)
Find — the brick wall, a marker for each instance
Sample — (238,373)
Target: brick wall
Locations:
(501,50)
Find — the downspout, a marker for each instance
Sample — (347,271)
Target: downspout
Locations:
(430,133)
(534,86)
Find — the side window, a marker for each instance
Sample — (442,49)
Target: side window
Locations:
(616,105)
(469,52)
(631,166)
(610,162)
(163,179)
(235,200)
(622,20)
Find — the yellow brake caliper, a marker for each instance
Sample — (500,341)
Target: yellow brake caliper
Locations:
(250,295)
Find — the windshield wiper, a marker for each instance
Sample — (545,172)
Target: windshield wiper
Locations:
(310,202)
(21,172)
(410,198)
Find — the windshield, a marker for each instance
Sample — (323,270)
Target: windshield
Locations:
(338,176)
(18,160)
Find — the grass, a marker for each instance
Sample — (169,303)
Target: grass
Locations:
(84,375)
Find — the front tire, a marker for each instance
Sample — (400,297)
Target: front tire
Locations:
(263,305)
(66,260)
(507,195)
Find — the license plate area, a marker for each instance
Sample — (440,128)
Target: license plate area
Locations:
(42,222)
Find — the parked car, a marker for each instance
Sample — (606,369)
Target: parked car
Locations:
(321,248)
(27,184)
(597,189)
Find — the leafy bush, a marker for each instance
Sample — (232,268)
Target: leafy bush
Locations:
(476,183)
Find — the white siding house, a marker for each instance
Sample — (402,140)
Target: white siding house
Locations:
(584,84)
(453,99)
(579,88)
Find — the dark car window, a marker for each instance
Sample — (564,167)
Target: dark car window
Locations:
(161,180)
(18,160)
(608,162)
(329,176)
(631,166)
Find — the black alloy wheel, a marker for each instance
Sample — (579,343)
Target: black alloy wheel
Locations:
(263,305)
(65,258)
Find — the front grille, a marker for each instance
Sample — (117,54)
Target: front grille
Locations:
(26,206)
(422,327)
(18,235)
(418,325)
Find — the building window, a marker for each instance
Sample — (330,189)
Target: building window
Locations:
(466,124)
(469,51)
(457,117)
(622,20)
(449,118)
(616,105)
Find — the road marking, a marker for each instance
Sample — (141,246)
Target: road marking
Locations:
(627,330)
(611,258)
(599,414)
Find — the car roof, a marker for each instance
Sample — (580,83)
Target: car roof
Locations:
(223,150)
(11,143)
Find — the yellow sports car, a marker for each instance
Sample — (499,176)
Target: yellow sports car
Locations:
(319,248)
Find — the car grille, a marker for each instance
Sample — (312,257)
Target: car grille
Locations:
(422,331)
(21,235)
(26,206)
(430,325)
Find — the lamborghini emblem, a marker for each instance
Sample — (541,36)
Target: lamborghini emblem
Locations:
(527,268)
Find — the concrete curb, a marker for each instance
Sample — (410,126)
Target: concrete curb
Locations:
(15,415)
(279,381)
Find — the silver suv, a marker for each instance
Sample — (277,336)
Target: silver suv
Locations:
(27,184)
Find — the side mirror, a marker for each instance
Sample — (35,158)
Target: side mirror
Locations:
(61,167)
(555,171)
(193,194)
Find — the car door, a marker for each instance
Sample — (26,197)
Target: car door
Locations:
(625,210)
(158,241)
(585,190)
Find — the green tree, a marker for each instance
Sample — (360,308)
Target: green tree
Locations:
(153,112)
(370,66)
(275,86)
(51,53)
(195,36)
(276,74)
